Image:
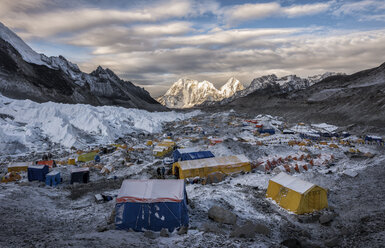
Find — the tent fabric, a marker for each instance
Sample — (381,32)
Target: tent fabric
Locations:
(163,148)
(87,157)
(296,195)
(151,191)
(53,178)
(293,183)
(203,167)
(151,205)
(80,175)
(18,166)
(37,172)
(50,163)
(191,154)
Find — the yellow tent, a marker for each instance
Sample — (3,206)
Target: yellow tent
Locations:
(296,195)
(87,157)
(203,167)
(18,166)
(163,148)
(71,161)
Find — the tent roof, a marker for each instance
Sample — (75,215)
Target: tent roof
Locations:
(213,162)
(18,164)
(293,183)
(79,169)
(151,190)
(37,166)
(187,150)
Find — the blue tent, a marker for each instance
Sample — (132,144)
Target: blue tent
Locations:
(37,172)
(190,154)
(53,178)
(80,175)
(267,130)
(151,205)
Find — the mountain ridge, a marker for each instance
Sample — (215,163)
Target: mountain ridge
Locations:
(25,74)
(186,93)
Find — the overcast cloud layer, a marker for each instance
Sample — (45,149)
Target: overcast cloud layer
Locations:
(153,43)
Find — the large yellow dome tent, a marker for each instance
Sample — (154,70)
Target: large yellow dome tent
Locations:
(296,195)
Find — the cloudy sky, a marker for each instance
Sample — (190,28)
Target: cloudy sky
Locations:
(154,43)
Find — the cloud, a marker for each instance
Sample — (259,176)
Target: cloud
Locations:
(304,54)
(245,12)
(56,21)
(353,8)
(307,9)
(252,11)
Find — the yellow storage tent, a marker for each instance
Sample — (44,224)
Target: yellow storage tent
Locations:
(163,148)
(203,167)
(87,157)
(18,166)
(296,195)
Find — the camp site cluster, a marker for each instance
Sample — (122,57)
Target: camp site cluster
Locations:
(188,151)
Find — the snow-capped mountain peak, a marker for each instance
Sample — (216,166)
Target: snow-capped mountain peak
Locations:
(186,93)
(230,87)
(25,51)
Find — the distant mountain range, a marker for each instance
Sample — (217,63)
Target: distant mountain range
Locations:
(187,93)
(25,74)
(355,101)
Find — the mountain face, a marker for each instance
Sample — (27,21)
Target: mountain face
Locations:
(274,84)
(186,93)
(356,101)
(25,74)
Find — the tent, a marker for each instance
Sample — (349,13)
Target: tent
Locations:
(151,204)
(270,131)
(163,148)
(49,163)
(296,195)
(190,154)
(11,177)
(87,157)
(203,167)
(18,166)
(37,172)
(53,178)
(80,175)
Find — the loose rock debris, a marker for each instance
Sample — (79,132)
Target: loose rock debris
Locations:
(72,217)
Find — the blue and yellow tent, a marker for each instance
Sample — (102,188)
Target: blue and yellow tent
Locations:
(151,205)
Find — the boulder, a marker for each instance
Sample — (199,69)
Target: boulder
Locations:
(149,234)
(245,231)
(333,242)
(222,215)
(249,230)
(291,243)
(326,218)
(215,177)
(350,173)
(164,233)
(211,227)
(262,229)
(182,230)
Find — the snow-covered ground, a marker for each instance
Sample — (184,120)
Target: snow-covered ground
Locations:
(34,215)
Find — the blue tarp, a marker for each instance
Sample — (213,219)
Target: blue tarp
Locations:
(151,216)
(181,155)
(309,136)
(269,131)
(373,138)
(52,179)
(37,172)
